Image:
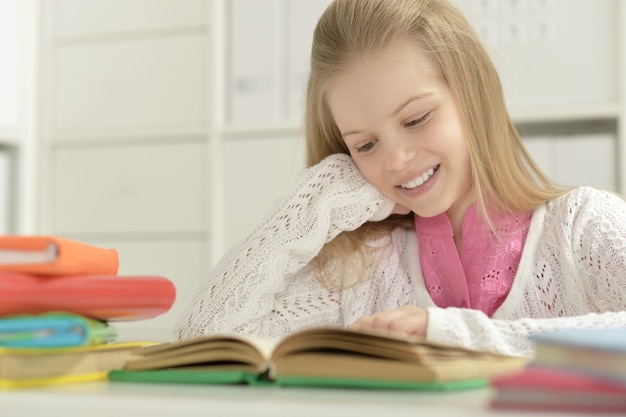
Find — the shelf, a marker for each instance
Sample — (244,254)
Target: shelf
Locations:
(233,133)
(556,114)
(67,138)
(9,136)
(129,35)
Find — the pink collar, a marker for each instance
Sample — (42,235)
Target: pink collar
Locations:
(482,275)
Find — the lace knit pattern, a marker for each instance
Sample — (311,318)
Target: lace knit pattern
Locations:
(572,271)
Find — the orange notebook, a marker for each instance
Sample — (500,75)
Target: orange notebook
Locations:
(103,297)
(52,255)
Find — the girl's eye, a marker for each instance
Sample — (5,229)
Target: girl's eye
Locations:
(366,147)
(419,121)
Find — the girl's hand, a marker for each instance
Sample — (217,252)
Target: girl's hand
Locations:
(407,320)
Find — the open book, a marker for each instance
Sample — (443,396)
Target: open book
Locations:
(322,357)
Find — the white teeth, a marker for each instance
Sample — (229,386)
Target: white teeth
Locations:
(419,180)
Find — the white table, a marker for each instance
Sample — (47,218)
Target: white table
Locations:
(117,399)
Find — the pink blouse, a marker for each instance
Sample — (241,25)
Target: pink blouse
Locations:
(481,275)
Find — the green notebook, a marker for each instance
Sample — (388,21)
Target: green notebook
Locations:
(318,357)
(182,376)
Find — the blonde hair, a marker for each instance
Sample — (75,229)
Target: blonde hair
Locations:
(503,173)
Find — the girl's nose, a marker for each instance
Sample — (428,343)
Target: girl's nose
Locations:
(397,154)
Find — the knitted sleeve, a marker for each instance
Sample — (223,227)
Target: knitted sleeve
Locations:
(473,329)
(577,278)
(263,286)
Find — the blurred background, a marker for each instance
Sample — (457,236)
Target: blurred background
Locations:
(168,129)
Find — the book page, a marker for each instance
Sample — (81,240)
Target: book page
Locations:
(19,257)
(265,345)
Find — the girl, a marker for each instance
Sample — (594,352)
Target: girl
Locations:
(420,211)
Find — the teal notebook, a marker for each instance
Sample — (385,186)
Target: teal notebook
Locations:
(318,357)
(56,329)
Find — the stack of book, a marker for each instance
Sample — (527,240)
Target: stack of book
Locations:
(59,299)
(575,370)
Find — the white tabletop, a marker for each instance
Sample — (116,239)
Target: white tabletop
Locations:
(117,399)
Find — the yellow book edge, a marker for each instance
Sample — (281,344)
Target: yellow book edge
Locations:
(6,383)
(71,349)
(58,380)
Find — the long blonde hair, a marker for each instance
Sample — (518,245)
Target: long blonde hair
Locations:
(503,173)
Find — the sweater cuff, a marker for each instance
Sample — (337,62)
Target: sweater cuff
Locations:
(446,327)
(383,211)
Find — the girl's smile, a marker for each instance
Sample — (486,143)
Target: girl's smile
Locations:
(420,179)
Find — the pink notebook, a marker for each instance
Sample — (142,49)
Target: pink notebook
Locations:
(549,389)
(104,297)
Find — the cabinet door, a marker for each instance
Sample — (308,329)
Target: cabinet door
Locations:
(130,189)
(259,173)
(96,17)
(302,16)
(536,45)
(10,78)
(253,63)
(6,191)
(137,87)
(574,160)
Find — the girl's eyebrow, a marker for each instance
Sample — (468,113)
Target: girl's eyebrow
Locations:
(395,112)
(350,132)
(410,100)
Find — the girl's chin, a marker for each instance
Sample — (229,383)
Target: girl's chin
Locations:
(400,209)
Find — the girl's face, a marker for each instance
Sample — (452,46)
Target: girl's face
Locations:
(400,122)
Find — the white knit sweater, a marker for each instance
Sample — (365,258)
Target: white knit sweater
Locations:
(572,271)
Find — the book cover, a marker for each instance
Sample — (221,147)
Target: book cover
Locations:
(548,389)
(592,351)
(318,357)
(29,367)
(605,339)
(102,297)
(53,255)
